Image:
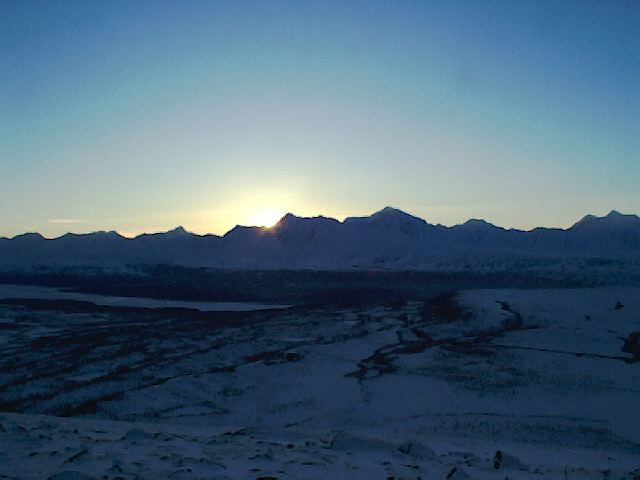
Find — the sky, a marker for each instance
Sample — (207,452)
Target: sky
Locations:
(140,116)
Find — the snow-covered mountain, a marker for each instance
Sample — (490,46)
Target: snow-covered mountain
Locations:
(389,238)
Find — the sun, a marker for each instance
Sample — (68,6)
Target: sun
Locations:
(265,217)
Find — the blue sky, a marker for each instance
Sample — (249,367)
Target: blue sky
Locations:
(139,116)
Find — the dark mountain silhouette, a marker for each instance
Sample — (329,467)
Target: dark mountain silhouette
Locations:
(389,238)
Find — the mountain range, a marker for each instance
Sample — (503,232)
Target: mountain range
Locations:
(387,239)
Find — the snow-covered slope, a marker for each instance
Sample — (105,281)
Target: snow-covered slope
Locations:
(485,384)
(389,238)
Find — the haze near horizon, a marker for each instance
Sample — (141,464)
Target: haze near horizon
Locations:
(271,220)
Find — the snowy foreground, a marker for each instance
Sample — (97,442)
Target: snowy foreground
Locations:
(487,384)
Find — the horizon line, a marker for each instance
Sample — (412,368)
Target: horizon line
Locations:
(273,227)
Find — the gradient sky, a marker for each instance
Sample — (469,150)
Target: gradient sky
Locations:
(140,116)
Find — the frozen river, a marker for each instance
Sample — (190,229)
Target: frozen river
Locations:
(53,293)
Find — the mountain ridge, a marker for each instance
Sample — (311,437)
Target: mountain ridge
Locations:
(385,211)
(389,238)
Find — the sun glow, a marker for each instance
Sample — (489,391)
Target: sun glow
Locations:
(266,217)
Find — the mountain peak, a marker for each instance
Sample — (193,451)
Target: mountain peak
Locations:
(110,233)
(287,218)
(388,214)
(391,211)
(613,218)
(478,223)
(395,215)
(30,236)
(389,208)
(290,219)
(389,218)
(244,231)
(179,230)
